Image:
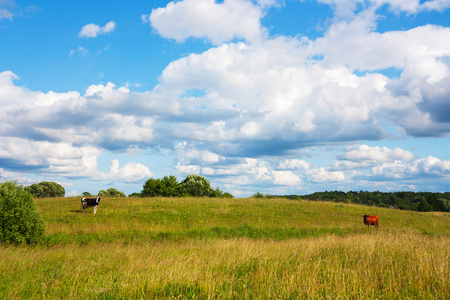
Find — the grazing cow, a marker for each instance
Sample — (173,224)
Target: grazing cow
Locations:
(90,202)
(370,220)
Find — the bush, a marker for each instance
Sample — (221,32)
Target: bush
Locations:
(46,189)
(20,222)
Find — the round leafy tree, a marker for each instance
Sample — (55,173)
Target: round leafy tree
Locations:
(111,192)
(196,186)
(46,189)
(20,222)
(166,187)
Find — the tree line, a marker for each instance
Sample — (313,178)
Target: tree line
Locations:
(198,186)
(193,185)
(416,201)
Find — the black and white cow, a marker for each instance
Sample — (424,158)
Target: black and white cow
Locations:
(90,202)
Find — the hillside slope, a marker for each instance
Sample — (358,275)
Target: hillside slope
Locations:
(134,219)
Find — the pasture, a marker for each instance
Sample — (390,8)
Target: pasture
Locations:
(203,248)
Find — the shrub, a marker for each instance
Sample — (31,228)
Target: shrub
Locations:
(20,222)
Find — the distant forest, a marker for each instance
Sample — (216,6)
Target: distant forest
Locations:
(417,201)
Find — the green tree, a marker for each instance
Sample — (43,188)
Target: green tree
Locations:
(46,189)
(423,205)
(166,187)
(170,187)
(86,194)
(103,193)
(151,188)
(20,222)
(111,192)
(196,186)
(258,195)
(219,194)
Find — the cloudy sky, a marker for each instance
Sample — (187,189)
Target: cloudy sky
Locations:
(270,96)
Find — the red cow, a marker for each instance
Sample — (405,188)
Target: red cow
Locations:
(370,220)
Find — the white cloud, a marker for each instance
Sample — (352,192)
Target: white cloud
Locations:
(293,164)
(144,18)
(324,175)
(430,166)
(438,5)
(306,122)
(131,172)
(81,51)
(270,3)
(5,14)
(218,22)
(234,111)
(285,178)
(17,176)
(347,8)
(361,153)
(127,128)
(64,159)
(93,30)
(6,7)
(56,158)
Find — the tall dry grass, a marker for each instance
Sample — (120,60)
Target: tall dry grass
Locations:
(229,249)
(362,266)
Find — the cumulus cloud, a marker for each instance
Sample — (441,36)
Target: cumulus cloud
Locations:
(242,110)
(424,167)
(324,175)
(285,178)
(131,172)
(348,8)
(375,154)
(293,164)
(218,22)
(48,157)
(63,159)
(93,30)
(55,133)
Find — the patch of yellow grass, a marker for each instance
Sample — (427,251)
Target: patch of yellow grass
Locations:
(383,265)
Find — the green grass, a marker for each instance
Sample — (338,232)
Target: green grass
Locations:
(201,248)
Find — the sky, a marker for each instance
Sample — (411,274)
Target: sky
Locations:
(271,96)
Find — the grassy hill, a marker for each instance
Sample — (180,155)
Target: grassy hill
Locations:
(200,248)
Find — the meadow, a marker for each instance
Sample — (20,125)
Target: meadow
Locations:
(206,248)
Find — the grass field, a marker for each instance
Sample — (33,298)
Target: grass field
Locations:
(198,248)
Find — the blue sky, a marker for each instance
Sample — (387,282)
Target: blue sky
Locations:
(271,96)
